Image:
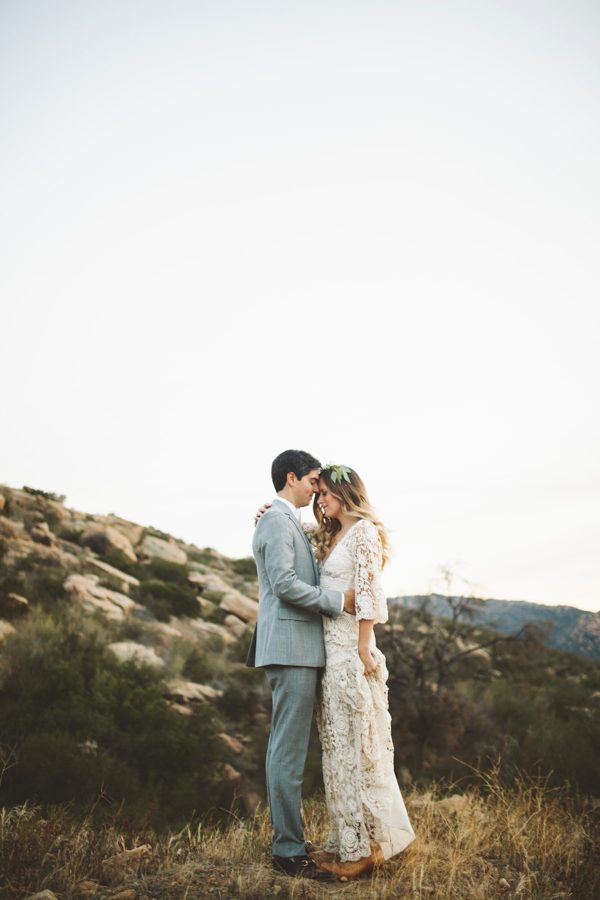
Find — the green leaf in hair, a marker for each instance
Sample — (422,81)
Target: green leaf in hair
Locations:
(338,473)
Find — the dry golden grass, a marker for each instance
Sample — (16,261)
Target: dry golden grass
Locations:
(524,842)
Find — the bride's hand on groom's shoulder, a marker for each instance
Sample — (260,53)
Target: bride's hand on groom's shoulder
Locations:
(261,511)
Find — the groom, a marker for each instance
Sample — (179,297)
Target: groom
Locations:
(288,644)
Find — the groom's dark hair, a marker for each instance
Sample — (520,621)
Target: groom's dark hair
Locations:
(297,461)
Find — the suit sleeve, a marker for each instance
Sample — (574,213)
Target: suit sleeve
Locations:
(277,547)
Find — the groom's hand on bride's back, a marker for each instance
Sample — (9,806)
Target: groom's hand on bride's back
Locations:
(260,512)
(349,601)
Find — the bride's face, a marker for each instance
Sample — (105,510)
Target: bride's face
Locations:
(331,506)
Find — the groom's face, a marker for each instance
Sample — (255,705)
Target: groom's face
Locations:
(304,488)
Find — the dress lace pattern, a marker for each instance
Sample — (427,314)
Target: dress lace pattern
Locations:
(363,798)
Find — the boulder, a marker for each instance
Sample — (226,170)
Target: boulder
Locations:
(185,711)
(5,630)
(241,606)
(41,534)
(231,743)
(190,692)
(129,651)
(11,529)
(167,550)
(231,774)
(251,590)
(117,868)
(168,630)
(86,889)
(211,629)
(130,530)
(86,590)
(208,580)
(51,555)
(482,655)
(42,895)
(232,600)
(456,803)
(17,601)
(236,625)
(207,605)
(128,580)
(78,523)
(102,539)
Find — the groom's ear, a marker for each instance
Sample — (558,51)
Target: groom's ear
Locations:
(291,479)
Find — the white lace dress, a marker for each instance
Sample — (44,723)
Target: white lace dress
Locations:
(363,798)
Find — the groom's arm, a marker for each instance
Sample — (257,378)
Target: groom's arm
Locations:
(277,547)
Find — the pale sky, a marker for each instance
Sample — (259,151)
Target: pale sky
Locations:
(369,230)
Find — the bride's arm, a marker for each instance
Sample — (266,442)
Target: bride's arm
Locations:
(365,637)
(367,555)
(260,512)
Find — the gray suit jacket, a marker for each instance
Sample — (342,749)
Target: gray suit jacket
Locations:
(289,631)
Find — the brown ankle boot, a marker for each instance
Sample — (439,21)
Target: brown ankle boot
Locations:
(320,856)
(354,868)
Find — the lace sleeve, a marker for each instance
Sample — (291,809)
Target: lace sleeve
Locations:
(367,566)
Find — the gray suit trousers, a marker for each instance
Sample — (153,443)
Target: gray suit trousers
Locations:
(293,690)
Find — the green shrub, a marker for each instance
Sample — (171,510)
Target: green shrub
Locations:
(100,544)
(163,570)
(245,692)
(166,599)
(198,667)
(41,584)
(213,596)
(245,567)
(238,652)
(207,556)
(78,724)
(47,495)
(156,532)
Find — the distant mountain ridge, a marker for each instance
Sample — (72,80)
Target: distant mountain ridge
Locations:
(573,630)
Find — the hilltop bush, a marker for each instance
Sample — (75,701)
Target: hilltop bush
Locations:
(46,495)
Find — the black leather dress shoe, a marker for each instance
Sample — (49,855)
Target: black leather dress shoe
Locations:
(301,866)
(311,848)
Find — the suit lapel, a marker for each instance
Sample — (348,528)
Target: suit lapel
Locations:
(290,514)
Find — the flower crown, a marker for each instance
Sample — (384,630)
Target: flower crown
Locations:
(338,473)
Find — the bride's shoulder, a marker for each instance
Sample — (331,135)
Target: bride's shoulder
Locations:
(365,530)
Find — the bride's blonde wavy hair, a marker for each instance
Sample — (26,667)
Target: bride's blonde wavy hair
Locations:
(353,497)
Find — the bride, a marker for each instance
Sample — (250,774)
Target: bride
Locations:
(367,816)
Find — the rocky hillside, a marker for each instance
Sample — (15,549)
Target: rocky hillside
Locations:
(214,597)
(184,611)
(567,628)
